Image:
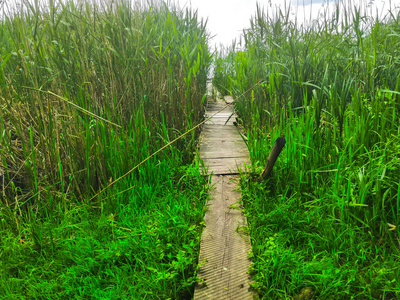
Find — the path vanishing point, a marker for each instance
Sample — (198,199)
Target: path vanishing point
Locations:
(225,243)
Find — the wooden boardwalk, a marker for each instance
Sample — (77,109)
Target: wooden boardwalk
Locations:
(224,246)
(222,148)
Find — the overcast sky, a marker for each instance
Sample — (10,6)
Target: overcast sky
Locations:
(227,18)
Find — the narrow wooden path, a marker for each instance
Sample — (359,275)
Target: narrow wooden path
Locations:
(225,245)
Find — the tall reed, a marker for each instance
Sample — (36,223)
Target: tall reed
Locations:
(67,67)
(88,89)
(332,89)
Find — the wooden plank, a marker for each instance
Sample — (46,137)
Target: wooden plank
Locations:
(210,105)
(223,261)
(216,138)
(224,119)
(216,107)
(222,144)
(225,113)
(221,105)
(221,171)
(220,166)
(230,150)
(230,162)
(222,114)
(215,128)
(211,154)
(219,102)
(219,109)
(228,99)
(220,122)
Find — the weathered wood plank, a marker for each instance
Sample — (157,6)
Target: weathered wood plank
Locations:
(214,139)
(215,108)
(224,247)
(222,144)
(242,154)
(225,165)
(219,136)
(228,99)
(230,162)
(219,122)
(222,114)
(215,128)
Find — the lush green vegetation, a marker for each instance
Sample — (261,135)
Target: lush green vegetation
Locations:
(326,224)
(88,91)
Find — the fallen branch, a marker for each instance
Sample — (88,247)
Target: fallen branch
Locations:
(273,156)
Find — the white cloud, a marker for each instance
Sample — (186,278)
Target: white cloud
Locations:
(227,18)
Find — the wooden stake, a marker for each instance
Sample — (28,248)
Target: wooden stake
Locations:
(273,156)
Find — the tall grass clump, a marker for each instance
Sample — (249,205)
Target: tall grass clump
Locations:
(88,89)
(326,225)
(141,68)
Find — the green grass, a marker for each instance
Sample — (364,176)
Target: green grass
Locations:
(88,91)
(326,225)
(135,245)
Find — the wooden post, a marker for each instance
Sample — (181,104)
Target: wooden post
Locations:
(273,156)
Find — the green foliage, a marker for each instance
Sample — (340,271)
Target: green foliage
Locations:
(304,241)
(224,66)
(87,91)
(139,244)
(328,220)
(137,67)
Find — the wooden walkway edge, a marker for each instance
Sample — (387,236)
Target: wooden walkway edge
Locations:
(224,248)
